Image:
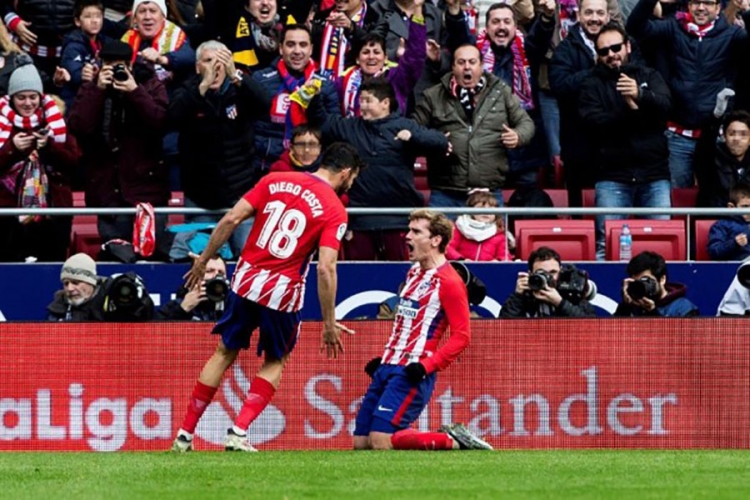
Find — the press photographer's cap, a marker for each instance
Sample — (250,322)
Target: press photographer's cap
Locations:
(79,267)
(116,50)
(159,3)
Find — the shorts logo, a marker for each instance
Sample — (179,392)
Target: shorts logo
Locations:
(382,408)
(341,231)
(227,404)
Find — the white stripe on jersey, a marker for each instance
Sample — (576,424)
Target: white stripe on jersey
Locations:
(278,292)
(256,286)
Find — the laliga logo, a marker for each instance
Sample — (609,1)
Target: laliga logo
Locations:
(212,428)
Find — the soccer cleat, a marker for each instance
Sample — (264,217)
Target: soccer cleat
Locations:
(464,437)
(235,442)
(181,444)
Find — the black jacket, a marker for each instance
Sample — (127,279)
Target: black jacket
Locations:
(50,20)
(629,145)
(216,140)
(526,306)
(718,173)
(172,311)
(673,305)
(91,310)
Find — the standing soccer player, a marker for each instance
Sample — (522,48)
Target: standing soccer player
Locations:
(433,300)
(295,214)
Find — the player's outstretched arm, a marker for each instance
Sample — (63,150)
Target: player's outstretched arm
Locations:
(239,212)
(327,281)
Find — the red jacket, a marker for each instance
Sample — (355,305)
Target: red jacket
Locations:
(494,248)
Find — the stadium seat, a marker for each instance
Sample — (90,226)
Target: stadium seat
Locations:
(420,174)
(84,236)
(176,200)
(559,197)
(684,198)
(702,228)
(589,201)
(665,237)
(572,239)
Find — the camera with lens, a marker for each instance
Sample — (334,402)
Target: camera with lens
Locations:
(574,285)
(643,287)
(126,299)
(120,72)
(216,289)
(474,286)
(539,279)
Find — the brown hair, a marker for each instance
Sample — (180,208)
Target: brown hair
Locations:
(483,197)
(440,225)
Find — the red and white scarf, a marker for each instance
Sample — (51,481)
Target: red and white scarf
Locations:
(169,39)
(335,45)
(48,115)
(521,68)
(351,81)
(686,21)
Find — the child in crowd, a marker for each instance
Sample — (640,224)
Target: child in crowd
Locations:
(728,237)
(479,237)
(304,152)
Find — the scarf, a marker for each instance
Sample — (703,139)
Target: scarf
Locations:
(521,83)
(48,115)
(475,230)
(351,81)
(470,15)
(589,43)
(335,46)
(686,21)
(169,39)
(467,97)
(568,15)
(287,106)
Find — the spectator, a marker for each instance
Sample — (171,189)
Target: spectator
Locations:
(483,120)
(393,18)
(736,300)
(215,112)
(80,52)
(388,144)
(514,57)
(304,155)
(729,162)
(37,157)
(569,67)
(120,122)
(273,133)
(9,53)
(82,296)
(158,41)
(705,52)
(728,237)
(625,106)
(199,304)
(546,301)
(40,28)
(255,40)
(646,292)
(479,237)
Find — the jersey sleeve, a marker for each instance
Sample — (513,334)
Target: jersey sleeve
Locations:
(454,300)
(335,228)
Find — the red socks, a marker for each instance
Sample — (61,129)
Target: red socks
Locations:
(260,394)
(199,401)
(411,439)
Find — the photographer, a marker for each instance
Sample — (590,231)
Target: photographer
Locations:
(647,293)
(205,302)
(540,294)
(119,119)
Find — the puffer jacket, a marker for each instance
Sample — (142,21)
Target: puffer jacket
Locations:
(50,20)
(479,159)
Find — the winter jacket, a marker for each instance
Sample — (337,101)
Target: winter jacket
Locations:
(673,305)
(392,26)
(285,164)
(216,139)
(630,145)
(388,180)
(76,52)
(50,20)
(718,173)
(527,306)
(91,310)
(698,68)
(479,159)
(173,311)
(123,167)
(461,248)
(269,136)
(721,243)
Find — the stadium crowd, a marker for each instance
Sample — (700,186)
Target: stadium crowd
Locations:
(129,102)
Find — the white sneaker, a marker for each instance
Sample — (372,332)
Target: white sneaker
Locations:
(236,442)
(181,444)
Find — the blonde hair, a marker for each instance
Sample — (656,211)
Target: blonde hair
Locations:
(440,225)
(485,198)
(6,43)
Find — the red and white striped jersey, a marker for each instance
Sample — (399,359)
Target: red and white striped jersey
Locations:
(431,302)
(295,214)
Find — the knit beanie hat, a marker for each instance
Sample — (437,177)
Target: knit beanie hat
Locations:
(159,3)
(79,267)
(25,78)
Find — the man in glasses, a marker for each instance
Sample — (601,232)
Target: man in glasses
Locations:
(624,107)
(704,53)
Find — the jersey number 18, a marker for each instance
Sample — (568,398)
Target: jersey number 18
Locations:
(282,229)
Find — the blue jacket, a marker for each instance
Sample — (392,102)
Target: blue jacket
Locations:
(269,135)
(76,52)
(699,69)
(673,305)
(721,244)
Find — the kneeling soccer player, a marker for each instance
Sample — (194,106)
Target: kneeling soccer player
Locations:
(433,300)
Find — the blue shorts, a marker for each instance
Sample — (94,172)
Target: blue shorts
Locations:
(391,402)
(278,330)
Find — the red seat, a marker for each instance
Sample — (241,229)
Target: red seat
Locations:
(665,237)
(425,195)
(702,228)
(572,239)
(84,235)
(559,197)
(176,200)
(684,198)
(589,201)
(420,182)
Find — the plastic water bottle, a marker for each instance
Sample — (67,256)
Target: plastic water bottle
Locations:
(626,243)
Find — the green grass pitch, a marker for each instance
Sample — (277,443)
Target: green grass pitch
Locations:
(377,475)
